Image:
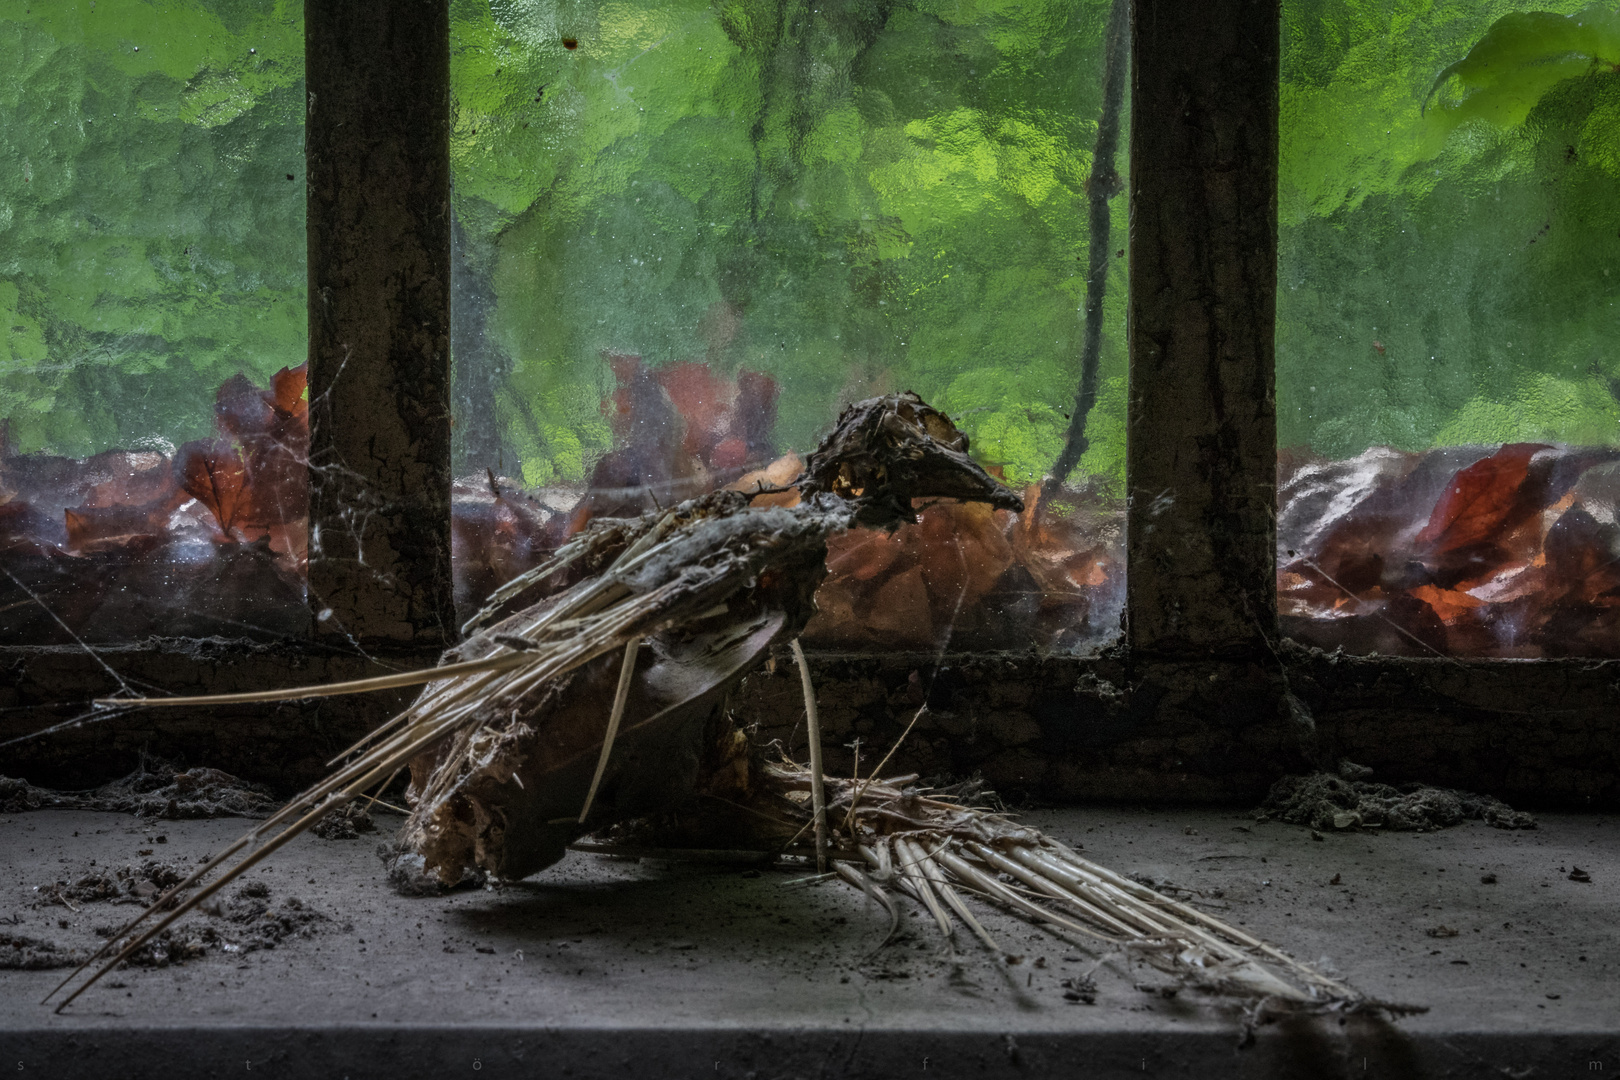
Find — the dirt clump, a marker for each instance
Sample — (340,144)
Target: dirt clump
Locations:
(248,920)
(18,796)
(245,922)
(155,789)
(20,953)
(347,822)
(1345,801)
(126,885)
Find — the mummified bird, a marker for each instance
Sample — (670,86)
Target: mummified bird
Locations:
(602,706)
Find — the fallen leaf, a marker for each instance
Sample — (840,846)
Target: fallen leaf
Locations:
(289,390)
(212,472)
(1480,499)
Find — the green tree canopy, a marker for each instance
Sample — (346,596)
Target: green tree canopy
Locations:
(1448,273)
(850,196)
(151,213)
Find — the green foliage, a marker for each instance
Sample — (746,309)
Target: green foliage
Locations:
(151,243)
(852,196)
(1524,55)
(1447,277)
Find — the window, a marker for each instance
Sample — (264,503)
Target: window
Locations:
(1447,393)
(688,234)
(1203,699)
(152,280)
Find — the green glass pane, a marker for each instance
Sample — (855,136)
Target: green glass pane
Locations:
(688,233)
(1446,393)
(152,282)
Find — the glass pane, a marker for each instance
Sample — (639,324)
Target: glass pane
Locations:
(152,319)
(1447,386)
(689,233)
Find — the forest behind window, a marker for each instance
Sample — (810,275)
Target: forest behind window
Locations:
(689,232)
(1448,384)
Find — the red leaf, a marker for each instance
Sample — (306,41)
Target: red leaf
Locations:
(702,400)
(240,408)
(211,471)
(288,390)
(1480,499)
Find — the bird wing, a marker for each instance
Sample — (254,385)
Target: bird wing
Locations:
(698,562)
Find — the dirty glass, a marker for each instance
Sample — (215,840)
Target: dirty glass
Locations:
(1448,383)
(152,319)
(688,233)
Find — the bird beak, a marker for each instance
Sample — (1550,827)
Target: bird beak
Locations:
(899,448)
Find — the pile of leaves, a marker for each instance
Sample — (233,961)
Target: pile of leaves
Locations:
(1051,577)
(211,539)
(1457,551)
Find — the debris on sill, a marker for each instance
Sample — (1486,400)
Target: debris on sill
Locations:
(1325,801)
(346,822)
(155,789)
(247,921)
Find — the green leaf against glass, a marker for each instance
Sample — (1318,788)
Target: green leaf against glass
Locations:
(1355,76)
(1519,59)
(1443,281)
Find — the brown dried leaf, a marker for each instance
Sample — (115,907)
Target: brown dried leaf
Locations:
(1480,500)
(212,472)
(289,391)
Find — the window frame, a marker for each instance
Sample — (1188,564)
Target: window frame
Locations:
(1201,700)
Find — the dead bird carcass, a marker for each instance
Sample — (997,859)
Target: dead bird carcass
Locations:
(599,706)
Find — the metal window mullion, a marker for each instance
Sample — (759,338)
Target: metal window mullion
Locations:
(1201,454)
(378,162)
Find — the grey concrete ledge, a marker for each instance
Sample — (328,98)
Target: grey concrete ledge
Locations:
(581,1054)
(602,967)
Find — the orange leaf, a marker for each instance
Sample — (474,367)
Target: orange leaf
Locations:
(287,390)
(1480,499)
(211,471)
(1447,603)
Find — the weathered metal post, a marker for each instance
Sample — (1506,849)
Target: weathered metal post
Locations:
(377,146)
(1203,273)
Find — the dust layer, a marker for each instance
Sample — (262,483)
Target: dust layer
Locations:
(248,920)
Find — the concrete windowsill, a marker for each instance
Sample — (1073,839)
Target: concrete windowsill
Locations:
(605,967)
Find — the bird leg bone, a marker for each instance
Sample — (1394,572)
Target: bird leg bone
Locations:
(812,723)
